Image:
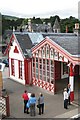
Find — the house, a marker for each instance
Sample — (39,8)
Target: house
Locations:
(56,57)
(20,56)
(32,27)
(42,59)
(56,26)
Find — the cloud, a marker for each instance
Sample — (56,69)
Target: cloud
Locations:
(39,8)
(79,10)
(61,13)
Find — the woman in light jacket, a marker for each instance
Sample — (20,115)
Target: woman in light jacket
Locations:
(32,103)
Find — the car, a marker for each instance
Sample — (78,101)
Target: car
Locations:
(6,62)
(0,60)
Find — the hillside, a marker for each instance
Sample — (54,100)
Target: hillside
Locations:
(7,17)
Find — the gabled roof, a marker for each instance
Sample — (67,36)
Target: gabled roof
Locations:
(24,41)
(66,44)
(68,41)
(27,40)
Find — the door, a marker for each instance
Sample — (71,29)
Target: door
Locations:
(57,65)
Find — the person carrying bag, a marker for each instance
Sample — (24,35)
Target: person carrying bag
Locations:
(41,104)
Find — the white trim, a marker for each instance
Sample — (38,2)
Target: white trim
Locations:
(61,50)
(18,45)
(71,82)
(17,80)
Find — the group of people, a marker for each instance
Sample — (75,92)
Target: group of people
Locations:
(67,96)
(30,103)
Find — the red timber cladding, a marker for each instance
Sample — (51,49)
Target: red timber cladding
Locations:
(28,70)
(57,72)
(76,70)
(20,69)
(9,64)
(12,67)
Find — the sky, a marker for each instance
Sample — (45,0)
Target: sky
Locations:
(39,8)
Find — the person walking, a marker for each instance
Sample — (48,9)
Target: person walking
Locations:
(26,98)
(41,104)
(68,91)
(32,103)
(65,98)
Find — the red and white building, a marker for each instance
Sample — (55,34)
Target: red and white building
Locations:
(41,61)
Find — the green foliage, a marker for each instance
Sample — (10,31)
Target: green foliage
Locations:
(36,20)
(7,17)
(69,22)
(8,22)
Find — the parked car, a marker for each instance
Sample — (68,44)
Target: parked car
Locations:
(6,62)
(0,60)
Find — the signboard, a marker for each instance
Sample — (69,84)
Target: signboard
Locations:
(2,65)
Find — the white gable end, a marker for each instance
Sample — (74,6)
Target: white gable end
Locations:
(47,50)
(15,55)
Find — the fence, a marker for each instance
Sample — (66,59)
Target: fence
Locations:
(4,106)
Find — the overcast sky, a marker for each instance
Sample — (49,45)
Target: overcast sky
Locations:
(39,8)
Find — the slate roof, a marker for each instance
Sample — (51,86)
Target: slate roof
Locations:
(27,40)
(41,27)
(58,34)
(70,43)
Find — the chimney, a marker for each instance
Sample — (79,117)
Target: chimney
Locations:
(66,29)
(29,25)
(21,30)
(13,29)
(76,29)
(76,26)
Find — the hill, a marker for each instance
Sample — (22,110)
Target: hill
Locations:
(7,17)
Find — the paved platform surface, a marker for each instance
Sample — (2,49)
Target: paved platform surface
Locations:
(53,103)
